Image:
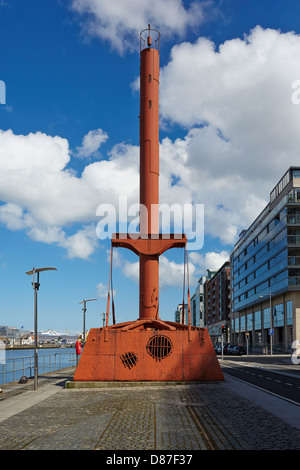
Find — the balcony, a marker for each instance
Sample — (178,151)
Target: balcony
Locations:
(294,281)
(293,260)
(293,239)
(293,196)
(293,219)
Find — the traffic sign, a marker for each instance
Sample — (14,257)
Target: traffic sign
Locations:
(271,331)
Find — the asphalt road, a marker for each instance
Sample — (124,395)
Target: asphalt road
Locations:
(282,383)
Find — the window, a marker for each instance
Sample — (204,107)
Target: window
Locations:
(281,257)
(250,246)
(257,320)
(251,292)
(280,236)
(266,314)
(283,214)
(262,234)
(278,315)
(261,252)
(279,187)
(249,322)
(289,312)
(274,223)
(242,269)
(280,277)
(262,286)
(261,270)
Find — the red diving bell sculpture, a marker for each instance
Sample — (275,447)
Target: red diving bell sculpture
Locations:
(148,349)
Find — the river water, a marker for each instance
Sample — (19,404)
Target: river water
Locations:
(15,363)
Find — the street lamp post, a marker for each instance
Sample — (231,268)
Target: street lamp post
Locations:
(84,310)
(271,325)
(36,286)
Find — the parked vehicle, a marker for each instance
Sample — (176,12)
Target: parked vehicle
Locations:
(230,348)
(237,351)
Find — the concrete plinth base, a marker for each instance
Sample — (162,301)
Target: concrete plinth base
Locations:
(117,384)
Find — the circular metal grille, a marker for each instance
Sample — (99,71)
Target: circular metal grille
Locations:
(159,347)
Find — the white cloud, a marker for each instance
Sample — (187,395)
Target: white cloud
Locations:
(83,243)
(102,290)
(241,136)
(230,203)
(242,93)
(120,22)
(242,133)
(42,196)
(91,143)
(211,260)
(170,272)
(11,215)
(213,85)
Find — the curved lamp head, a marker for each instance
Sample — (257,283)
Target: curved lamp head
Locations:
(38,270)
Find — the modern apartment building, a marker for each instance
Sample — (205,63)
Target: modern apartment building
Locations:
(178,314)
(217,302)
(199,301)
(265,272)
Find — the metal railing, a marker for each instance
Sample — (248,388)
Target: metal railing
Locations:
(12,369)
(293,260)
(293,239)
(293,219)
(294,280)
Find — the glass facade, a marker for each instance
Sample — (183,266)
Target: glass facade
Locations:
(278,315)
(200,302)
(267,256)
(266,318)
(257,320)
(289,313)
(250,322)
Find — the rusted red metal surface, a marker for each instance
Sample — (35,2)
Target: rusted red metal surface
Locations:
(149,349)
(148,355)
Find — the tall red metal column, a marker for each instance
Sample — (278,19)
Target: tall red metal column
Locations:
(149,172)
(148,349)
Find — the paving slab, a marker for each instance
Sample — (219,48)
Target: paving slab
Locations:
(147,417)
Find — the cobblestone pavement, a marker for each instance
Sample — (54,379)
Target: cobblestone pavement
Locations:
(208,416)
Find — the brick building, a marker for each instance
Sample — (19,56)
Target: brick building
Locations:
(217,303)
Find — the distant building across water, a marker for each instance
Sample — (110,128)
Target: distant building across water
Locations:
(12,335)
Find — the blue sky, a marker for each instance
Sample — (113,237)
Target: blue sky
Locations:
(69,139)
